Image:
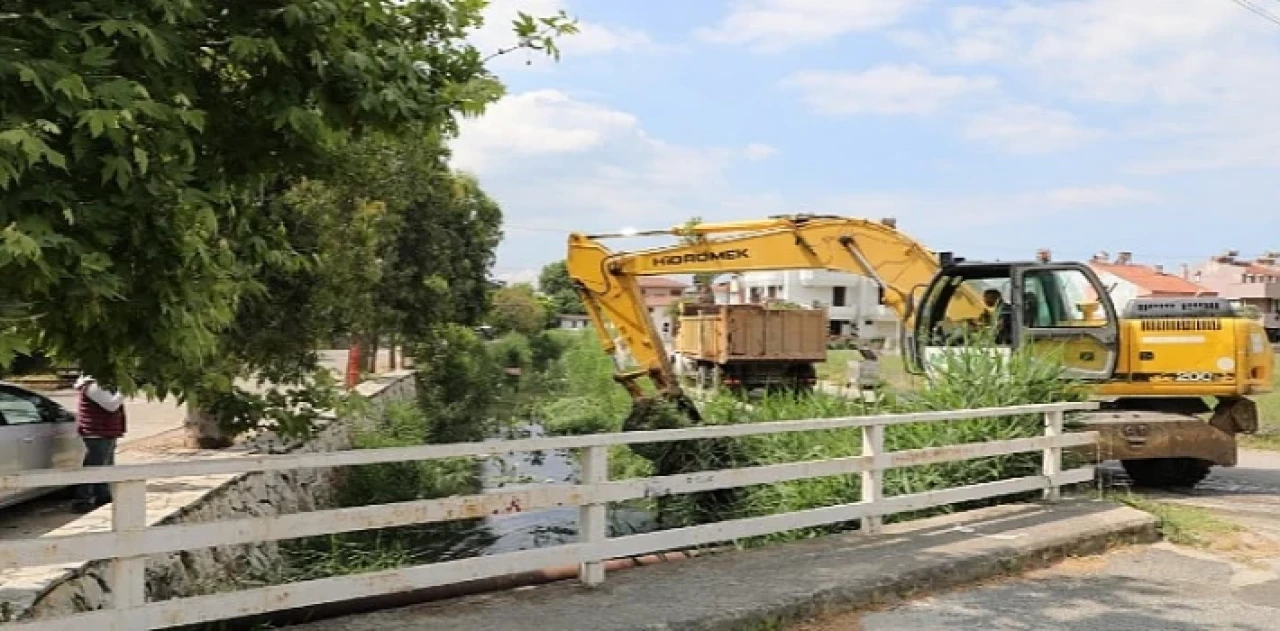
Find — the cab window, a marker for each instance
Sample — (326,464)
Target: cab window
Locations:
(1062,298)
(958,308)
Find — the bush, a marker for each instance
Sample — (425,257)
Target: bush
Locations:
(458,381)
(404,425)
(973,376)
(545,348)
(970,378)
(512,350)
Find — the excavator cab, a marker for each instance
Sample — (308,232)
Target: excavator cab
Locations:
(1052,308)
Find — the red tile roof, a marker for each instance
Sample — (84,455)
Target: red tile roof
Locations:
(1249,267)
(659,282)
(659,301)
(1152,282)
(1260,270)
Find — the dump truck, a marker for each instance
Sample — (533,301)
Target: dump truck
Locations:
(750,346)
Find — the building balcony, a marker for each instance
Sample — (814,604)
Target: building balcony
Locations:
(1247,291)
(826,278)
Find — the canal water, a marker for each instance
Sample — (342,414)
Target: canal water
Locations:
(511,532)
(536,529)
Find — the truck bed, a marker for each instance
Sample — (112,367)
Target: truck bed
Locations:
(752,333)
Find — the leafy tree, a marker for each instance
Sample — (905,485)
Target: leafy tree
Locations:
(703,282)
(458,381)
(516,308)
(442,251)
(145,148)
(554,282)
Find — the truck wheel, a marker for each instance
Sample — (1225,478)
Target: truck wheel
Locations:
(1167,472)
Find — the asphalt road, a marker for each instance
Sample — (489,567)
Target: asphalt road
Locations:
(1161,586)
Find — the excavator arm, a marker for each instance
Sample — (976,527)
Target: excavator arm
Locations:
(608,284)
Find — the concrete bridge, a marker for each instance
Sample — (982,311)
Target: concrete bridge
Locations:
(1018,532)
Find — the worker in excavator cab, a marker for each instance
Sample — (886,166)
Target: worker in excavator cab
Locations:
(1002,312)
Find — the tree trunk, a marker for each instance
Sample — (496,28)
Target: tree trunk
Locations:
(203,430)
(371,360)
(391,354)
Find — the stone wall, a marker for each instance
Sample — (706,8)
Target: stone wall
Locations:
(215,498)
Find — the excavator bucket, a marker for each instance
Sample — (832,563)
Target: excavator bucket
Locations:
(662,411)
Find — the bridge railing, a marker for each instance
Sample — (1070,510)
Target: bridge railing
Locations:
(130,541)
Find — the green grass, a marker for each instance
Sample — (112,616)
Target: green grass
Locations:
(1184,525)
(1268,436)
(892,371)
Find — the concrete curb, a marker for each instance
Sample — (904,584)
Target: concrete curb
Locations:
(775,586)
(1136,528)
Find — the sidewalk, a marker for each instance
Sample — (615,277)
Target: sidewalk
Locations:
(780,584)
(1229,580)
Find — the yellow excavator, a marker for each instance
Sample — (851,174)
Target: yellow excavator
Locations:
(1154,368)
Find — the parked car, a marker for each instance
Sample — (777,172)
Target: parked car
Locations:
(35,433)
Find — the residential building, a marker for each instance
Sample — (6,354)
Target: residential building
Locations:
(852,301)
(572,322)
(659,294)
(1248,283)
(1127,280)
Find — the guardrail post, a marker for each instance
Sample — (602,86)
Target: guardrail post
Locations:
(128,574)
(1053,424)
(873,478)
(593,527)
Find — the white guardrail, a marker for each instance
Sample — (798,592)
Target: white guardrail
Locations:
(130,541)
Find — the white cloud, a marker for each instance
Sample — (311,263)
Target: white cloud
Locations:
(591,38)
(772,25)
(1028,129)
(1202,73)
(887,89)
(1097,196)
(756,151)
(519,276)
(936,215)
(533,124)
(558,164)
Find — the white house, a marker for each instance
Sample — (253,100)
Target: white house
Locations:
(572,322)
(1127,280)
(852,301)
(659,294)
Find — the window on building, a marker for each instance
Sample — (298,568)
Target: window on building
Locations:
(838,296)
(773,291)
(836,327)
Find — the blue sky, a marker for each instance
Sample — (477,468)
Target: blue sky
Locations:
(988,128)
